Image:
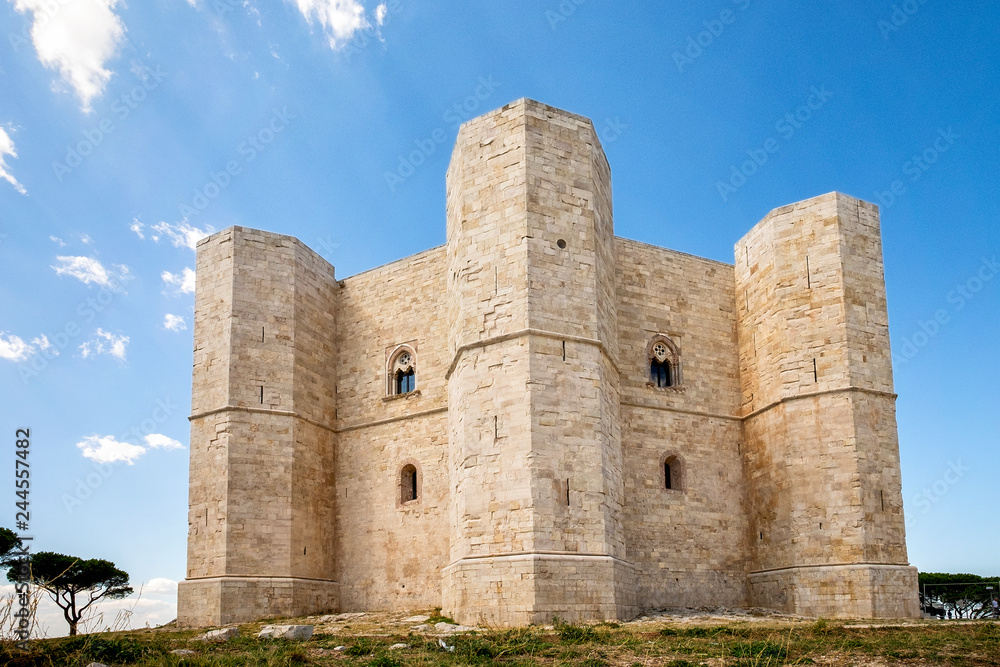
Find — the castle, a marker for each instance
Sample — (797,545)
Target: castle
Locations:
(540,419)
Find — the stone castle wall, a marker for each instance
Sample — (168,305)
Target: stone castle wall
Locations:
(538,440)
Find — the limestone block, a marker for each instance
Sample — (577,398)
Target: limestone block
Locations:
(286,632)
(221,635)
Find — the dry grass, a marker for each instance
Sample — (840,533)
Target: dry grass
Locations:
(667,640)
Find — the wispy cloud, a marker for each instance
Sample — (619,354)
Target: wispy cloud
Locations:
(183,283)
(108,449)
(58,241)
(137,227)
(340,18)
(380,13)
(104,342)
(174,322)
(77,38)
(7,148)
(90,270)
(180,234)
(14,348)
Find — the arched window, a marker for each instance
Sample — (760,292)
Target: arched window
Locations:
(409,483)
(663,356)
(672,472)
(402,372)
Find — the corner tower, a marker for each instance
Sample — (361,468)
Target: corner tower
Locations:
(533,387)
(822,455)
(260,524)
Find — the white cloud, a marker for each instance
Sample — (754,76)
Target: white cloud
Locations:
(174,322)
(181,234)
(58,241)
(137,227)
(77,38)
(160,441)
(107,449)
(380,13)
(90,270)
(13,348)
(183,283)
(340,18)
(85,239)
(160,585)
(7,148)
(104,342)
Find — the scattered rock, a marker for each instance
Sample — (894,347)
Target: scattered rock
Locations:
(221,635)
(286,631)
(349,615)
(421,628)
(450,649)
(97,664)
(398,646)
(450,627)
(416,619)
(339,648)
(182,651)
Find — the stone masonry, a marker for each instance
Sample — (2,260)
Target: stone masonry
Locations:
(537,468)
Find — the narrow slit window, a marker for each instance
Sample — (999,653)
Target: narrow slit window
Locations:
(408,483)
(667,482)
(262,394)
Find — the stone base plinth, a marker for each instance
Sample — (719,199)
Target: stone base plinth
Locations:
(522,589)
(839,591)
(224,600)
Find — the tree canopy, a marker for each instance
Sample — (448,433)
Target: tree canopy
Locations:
(964,595)
(75,584)
(8,541)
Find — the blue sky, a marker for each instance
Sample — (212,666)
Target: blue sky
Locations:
(129,131)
